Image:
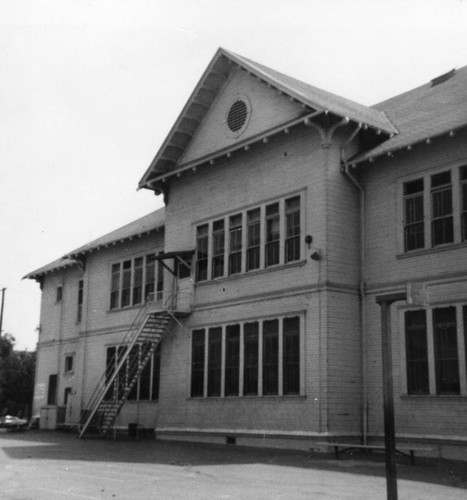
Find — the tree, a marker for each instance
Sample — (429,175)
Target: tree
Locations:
(17,369)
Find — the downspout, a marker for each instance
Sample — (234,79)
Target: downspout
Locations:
(354,181)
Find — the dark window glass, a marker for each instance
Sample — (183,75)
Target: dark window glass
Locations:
(235,237)
(59,294)
(416,352)
(250,346)
(253,239)
(184,268)
(202,253)
(441,206)
(80,301)
(214,361)
(110,367)
(156,372)
(414,229)
(291,356)
(151,265)
(160,280)
(197,363)
(138,281)
(126,283)
(68,364)
(218,248)
(446,355)
(292,229)
(145,377)
(232,360)
(270,356)
(115,287)
(52,390)
(272,234)
(463,176)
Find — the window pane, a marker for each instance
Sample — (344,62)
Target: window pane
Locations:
(250,346)
(156,372)
(235,237)
(441,208)
(272,234)
(270,356)
(150,277)
(253,239)
(202,253)
(218,247)
(126,283)
(291,356)
(464,210)
(138,281)
(414,229)
(232,360)
(292,229)
(416,352)
(446,355)
(214,361)
(197,363)
(145,378)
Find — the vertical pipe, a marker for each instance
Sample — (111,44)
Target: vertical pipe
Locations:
(1,310)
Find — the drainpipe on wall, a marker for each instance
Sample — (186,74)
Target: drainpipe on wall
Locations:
(354,181)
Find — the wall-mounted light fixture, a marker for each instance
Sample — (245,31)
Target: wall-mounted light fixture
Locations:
(315,255)
(308,240)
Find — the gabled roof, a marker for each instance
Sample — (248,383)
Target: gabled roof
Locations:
(315,100)
(144,225)
(436,108)
(151,222)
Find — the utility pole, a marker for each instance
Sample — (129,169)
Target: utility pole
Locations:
(385,302)
(1,310)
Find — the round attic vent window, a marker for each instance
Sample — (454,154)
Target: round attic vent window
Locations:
(237,115)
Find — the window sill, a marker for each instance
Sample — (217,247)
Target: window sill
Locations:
(290,397)
(428,251)
(431,397)
(278,267)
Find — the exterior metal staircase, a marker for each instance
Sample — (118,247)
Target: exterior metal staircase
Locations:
(124,370)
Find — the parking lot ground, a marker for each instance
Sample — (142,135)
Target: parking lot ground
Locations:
(53,465)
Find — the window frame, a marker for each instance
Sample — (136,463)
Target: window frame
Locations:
(433,359)
(201,372)
(255,228)
(150,286)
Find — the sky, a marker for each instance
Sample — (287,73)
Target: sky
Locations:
(90,89)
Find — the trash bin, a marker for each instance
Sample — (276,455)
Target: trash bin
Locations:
(132,430)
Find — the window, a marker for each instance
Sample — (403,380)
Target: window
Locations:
(232,360)
(235,244)
(445,345)
(441,206)
(414,232)
(256,358)
(432,347)
(435,209)
(291,356)
(59,294)
(463,180)
(197,363)
(214,361)
(202,238)
(250,356)
(80,301)
(68,364)
(52,390)
(254,239)
(146,387)
(218,246)
(292,229)
(272,234)
(416,352)
(257,238)
(136,280)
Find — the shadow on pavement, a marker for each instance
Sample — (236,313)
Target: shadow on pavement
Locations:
(42,445)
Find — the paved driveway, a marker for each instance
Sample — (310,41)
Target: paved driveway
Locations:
(50,466)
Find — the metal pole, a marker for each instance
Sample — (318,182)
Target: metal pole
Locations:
(385,302)
(1,310)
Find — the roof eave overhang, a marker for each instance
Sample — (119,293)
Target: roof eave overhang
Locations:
(367,157)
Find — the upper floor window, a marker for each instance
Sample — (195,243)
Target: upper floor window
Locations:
(135,281)
(59,295)
(68,364)
(257,238)
(434,214)
(79,315)
(434,357)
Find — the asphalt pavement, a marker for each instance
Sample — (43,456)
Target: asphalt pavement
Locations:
(53,465)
